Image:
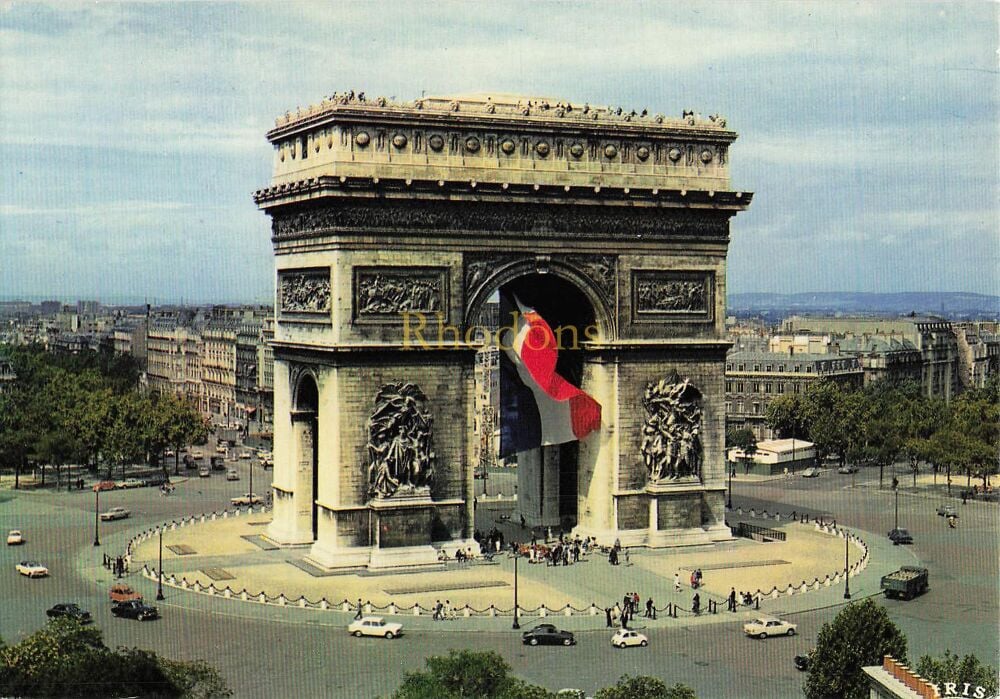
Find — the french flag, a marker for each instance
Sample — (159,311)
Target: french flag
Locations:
(538,407)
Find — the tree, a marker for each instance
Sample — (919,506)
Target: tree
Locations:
(467,675)
(67,659)
(786,416)
(643,687)
(859,636)
(949,668)
(744,440)
(826,408)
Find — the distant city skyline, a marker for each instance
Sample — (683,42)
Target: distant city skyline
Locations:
(133,135)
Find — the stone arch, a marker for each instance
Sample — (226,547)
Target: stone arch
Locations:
(305,427)
(603,307)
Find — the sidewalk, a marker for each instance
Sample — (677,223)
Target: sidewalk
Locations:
(228,553)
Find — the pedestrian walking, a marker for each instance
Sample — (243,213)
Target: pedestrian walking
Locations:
(696,604)
(357,615)
(650,609)
(437,611)
(732,599)
(607,616)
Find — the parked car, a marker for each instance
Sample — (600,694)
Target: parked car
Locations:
(168,452)
(802,662)
(158,479)
(204,472)
(120,592)
(624,638)
(266,462)
(135,609)
(811,472)
(232,475)
(196,454)
(947,510)
(245,454)
(375,626)
(104,485)
(547,634)
(115,513)
(765,626)
(848,469)
(15,537)
(900,536)
(32,569)
(221,449)
(69,610)
(246,499)
(135,483)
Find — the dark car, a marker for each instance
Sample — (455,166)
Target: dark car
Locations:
(134,609)
(69,610)
(900,536)
(802,662)
(547,634)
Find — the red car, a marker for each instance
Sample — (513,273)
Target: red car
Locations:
(105,485)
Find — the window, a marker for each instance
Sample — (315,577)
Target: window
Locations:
(756,387)
(768,368)
(809,369)
(729,407)
(756,367)
(741,367)
(781,388)
(729,386)
(729,367)
(767,387)
(797,368)
(781,367)
(756,408)
(739,387)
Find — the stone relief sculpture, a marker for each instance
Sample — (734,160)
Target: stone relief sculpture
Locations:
(304,292)
(400,458)
(601,269)
(671,435)
(380,293)
(664,294)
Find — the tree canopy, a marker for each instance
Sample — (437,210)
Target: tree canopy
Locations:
(950,668)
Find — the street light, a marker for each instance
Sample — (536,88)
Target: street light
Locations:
(516,625)
(896,519)
(847,575)
(97,516)
(729,504)
(159,576)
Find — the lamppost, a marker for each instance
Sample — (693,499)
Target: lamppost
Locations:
(896,518)
(729,503)
(251,482)
(847,575)
(516,625)
(159,576)
(97,516)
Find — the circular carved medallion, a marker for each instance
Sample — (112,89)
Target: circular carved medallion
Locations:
(362,139)
(542,148)
(435,142)
(674,154)
(642,153)
(507,146)
(576,150)
(610,151)
(472,144)
(706,156)
(399,140)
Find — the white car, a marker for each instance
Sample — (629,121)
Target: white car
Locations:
(232,475)
(765,626)
(32,569)
(624,638)
(15,537)
(375,626)
(115,513)
(245,455)
(246,499)
(134,483)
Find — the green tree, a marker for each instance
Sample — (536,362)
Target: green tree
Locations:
(67,659)
(467,675)
(949,668)
(859,636)
(744,440)
(643,687)
(826,408)
(786,416)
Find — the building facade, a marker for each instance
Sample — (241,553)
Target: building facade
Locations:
(218,373)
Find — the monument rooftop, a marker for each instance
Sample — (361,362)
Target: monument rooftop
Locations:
(484,139)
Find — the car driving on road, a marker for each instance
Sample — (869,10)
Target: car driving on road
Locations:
(70,610)
(120,592)
(811,472)
(246,499)
(15,537)
(624,638)
(848,469)
(947,510)
(32,569)
(900,536)
(547,634)
(115,513)
(375,626)
(135,609)
(765,626)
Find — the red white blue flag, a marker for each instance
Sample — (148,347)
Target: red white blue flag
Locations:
(538,407)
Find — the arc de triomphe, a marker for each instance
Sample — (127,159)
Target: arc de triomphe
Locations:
(393,224)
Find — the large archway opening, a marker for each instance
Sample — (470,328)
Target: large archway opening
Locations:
(548,476)
(306,423)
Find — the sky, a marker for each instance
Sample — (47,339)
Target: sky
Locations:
(133,135)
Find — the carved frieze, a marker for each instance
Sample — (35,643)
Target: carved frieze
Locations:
(385,293)
(671,435)
(659,295)
(602,270)
(400,454)
(304,291)
(481,217)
